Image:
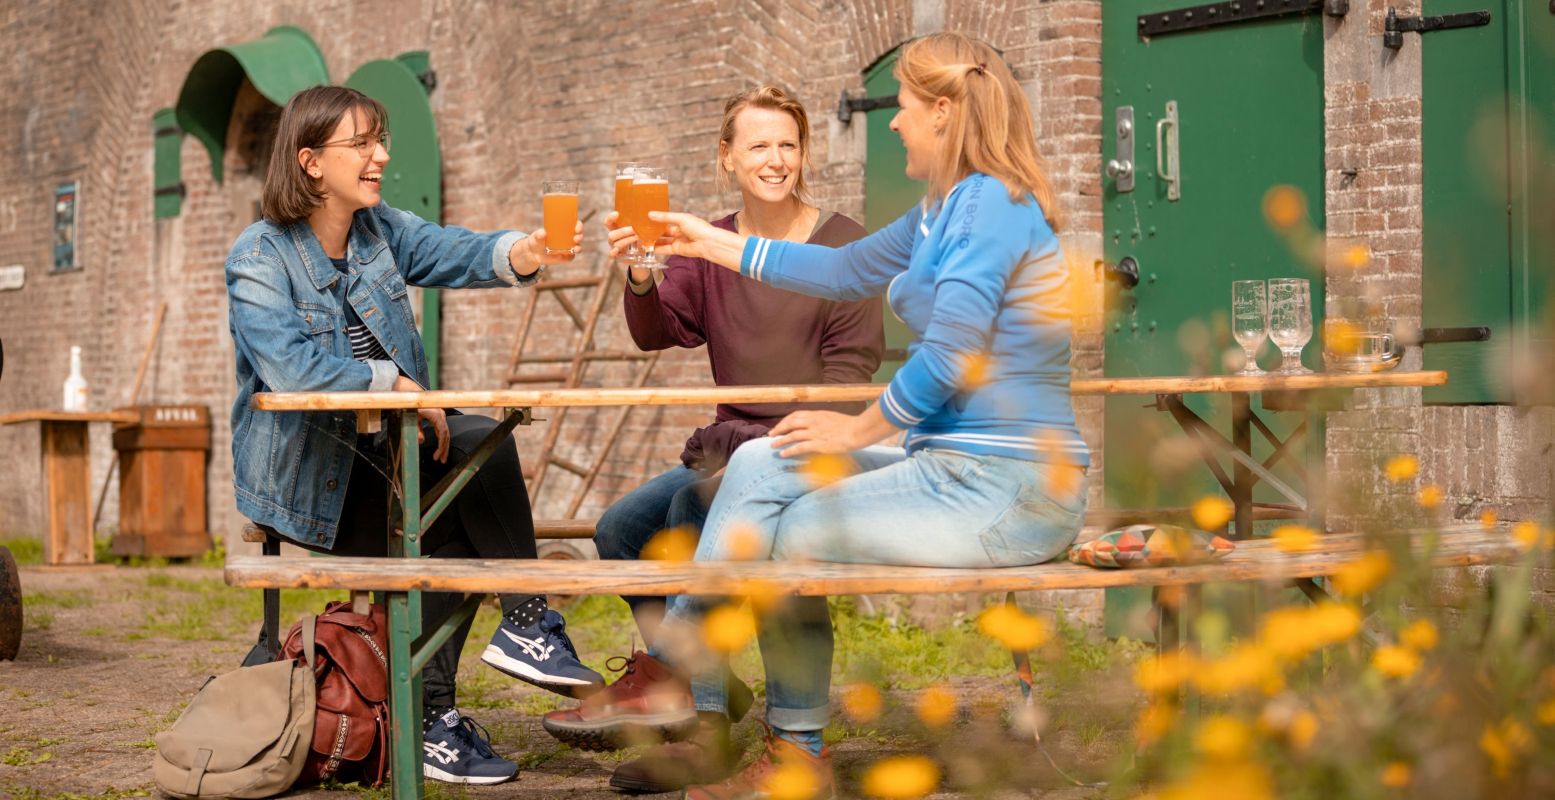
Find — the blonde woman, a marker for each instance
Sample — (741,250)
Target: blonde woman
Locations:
(993,472)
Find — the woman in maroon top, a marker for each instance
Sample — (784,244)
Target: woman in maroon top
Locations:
(755,335)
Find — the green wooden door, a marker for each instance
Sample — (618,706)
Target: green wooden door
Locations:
(1248,98)
(888,192)
(1488,135)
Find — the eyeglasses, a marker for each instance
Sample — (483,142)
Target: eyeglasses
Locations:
(363,144)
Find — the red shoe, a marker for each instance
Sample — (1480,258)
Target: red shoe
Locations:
(782,770)
(647,704)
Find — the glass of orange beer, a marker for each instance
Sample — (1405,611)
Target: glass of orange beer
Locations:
(560,199)
(625,172)
(650,192)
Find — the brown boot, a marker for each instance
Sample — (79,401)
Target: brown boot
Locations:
(782,770)
(647,704)
(704,758)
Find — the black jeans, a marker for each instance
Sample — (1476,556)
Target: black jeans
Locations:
(490,519)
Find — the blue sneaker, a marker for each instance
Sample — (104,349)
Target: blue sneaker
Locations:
(542,655)
(454,750)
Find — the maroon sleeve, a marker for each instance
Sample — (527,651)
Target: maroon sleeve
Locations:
(669,315)
(854,340)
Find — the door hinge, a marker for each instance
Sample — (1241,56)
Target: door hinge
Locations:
(1205,16)
(1396,26)
(847,106)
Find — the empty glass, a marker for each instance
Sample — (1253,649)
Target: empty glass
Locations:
(1249,321)
(1290,321)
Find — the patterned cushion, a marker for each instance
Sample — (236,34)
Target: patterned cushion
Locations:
(1149,546)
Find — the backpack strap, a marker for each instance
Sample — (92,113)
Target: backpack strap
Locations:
(309,623)
(202,759)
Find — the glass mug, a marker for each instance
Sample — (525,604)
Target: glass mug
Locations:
(1351,347)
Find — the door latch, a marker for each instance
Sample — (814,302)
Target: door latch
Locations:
(1395,27)
(1121,168)
(1168,166)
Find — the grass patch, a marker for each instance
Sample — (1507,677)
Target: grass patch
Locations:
(57,599)
(27,552)
(29,793)
(25,757)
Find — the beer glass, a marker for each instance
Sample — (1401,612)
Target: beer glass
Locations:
(650,192)
(1290,321)
(625,172)
(1249,320)
(559,201)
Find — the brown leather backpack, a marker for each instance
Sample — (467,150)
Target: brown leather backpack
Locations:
(351,723)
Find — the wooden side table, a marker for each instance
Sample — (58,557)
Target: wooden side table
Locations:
(67,479)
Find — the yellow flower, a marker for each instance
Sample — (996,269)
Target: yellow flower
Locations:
(1154,722)
(744,544)
(1401,468)
(1545,713)
(1014,628)
(1395,662)
(727,628)
(900,777)
(1429,496)
(762,594)
(1356,256)
(1302,730)
(1396,775)
(1212,513)
(1245,667)
(1488,518)
(975,373)
(1241,780)
(1284,207)
(1294,538)
(825,469)
(861,702)
(1222,737)
(1419,635)
(936,706)
(792,780)
(671,544)
(1363,574)
(1292,632)
(1526,534)
(1503,744)
(1164,673)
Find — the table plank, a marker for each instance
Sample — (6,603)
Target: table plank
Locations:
(1255,560)
(831,393)
(49,415)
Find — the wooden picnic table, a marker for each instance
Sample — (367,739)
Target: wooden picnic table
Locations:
(409,650)
(67,478)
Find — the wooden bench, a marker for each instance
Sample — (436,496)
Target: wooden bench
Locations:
(402,578)
(1256,560)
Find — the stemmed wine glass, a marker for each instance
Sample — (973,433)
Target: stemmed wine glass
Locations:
(625,173)
(1250,321)
(1290,321)
(650,192)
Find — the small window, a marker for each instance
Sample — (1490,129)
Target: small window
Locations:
(66,198)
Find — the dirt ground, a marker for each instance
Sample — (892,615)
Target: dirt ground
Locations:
(110,655)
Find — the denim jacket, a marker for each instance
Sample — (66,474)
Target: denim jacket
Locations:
(286,311)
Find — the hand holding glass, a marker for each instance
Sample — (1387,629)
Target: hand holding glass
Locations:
(1249,321)
(650,191)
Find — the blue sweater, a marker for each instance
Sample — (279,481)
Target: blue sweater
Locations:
(981,282)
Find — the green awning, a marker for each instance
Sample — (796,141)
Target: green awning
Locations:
(281,63)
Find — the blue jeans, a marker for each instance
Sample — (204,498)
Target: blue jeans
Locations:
(677,497)
(934,508)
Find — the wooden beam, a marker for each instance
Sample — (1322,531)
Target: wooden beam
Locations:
(1254,560)
(828,393)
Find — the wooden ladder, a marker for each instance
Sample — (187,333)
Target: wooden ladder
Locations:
(568,369)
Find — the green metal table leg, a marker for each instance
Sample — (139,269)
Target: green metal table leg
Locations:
(405,781)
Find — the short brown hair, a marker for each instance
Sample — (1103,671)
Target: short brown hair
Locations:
(308,121)
(990,128)
(774,98)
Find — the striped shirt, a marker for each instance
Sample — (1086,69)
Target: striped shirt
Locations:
(364,345)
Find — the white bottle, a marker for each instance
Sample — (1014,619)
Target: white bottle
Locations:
(75,385)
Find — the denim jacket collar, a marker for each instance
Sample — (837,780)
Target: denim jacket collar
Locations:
(363,242)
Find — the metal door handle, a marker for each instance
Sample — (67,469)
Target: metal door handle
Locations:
(1163,158)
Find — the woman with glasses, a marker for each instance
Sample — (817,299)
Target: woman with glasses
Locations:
(317,295)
